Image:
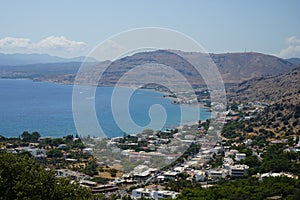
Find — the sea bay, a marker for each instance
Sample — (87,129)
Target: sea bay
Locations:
(46,107)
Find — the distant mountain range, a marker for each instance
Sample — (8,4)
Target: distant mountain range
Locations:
(234,67)
(26,59)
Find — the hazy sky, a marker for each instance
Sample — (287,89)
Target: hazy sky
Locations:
(70,28)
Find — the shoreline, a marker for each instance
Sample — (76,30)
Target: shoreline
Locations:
(160,93)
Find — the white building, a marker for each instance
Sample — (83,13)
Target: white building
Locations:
(282,174)
(153,194)
(142,173)
(142,192)
(87,150)
(199,175)
(141,176)
(179,169)
(238,170)
(227,162)
(172,175)
(218,149)
(126,152)
(248,142)
(37,153)
(220,173)
(240,156)
(62,146)
(87,183)
(161,194)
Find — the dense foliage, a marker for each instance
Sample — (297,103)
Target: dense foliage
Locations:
(250,188)
(27,137)
(275,159)
(22,178)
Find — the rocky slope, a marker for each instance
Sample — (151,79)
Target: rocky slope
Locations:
(280,88)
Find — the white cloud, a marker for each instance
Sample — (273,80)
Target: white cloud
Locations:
(293,49)
(11,43)
(53,45)
(293,40)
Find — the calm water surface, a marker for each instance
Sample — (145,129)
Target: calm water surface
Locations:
(47,108)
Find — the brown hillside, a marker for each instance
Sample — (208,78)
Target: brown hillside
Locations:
(281,88)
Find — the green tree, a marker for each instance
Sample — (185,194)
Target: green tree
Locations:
(26,136)
(54,153)
(275,160)
(69,138)
(249,188)
(22,178)
(35,137)
(91,168)
(2,138)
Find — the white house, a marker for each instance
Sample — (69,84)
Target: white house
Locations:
(240,156)
(153,194)
(282,174)
(227,162)
(238,170)
(142,192)
(161,194)
(220,173)
(62,146)
(142,173)
(87,150)
(172,175)
(248,142)
(199,175)
(37,153)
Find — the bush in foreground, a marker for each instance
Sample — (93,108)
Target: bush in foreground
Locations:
(22,178)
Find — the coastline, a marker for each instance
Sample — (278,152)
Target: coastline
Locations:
(64,127)
(164,93)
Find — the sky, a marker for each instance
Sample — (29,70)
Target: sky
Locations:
(71,28)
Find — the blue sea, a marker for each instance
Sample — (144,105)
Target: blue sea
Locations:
(46,107)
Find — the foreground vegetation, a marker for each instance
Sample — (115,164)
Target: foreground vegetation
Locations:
(22,178)
(252,188)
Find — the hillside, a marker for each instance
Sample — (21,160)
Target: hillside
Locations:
(282,117)
(295,61)
(280,88)
(234,67)
(237,67)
